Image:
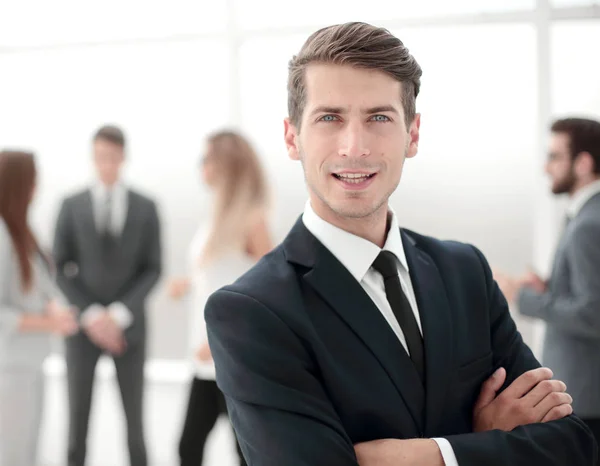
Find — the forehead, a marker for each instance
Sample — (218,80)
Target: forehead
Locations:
(343,85)
(559,142)
(104,146)
(108,152)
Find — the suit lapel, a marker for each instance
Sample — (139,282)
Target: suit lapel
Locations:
(334,283)
(87,215)
(128,223)
(436,321)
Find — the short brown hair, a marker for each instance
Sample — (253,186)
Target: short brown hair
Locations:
(584,136)
(360,45)
(112,134)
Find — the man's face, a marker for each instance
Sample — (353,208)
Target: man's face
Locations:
(353,139)
(560,164)
(108,159)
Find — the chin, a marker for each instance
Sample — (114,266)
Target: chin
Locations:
(355,208)
(557,190)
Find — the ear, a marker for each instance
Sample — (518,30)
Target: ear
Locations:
(584,164)
(291,139)
(413,135)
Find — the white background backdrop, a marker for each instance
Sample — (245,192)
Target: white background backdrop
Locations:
(495,72)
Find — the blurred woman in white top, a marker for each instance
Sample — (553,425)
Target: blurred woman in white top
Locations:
(31,311)
(235,237)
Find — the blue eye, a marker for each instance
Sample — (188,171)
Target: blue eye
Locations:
(380,118)
(329,118)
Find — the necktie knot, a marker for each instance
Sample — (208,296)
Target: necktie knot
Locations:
(385,264)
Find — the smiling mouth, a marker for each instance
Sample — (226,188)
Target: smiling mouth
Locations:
(354,178)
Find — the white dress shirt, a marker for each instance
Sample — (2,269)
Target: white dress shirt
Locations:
(581,197)
(357,255)
(118,214)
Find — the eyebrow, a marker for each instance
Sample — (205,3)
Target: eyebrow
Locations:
(367,111)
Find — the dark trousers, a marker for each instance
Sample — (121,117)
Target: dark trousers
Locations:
(594,425)
(205,404)
(82,356)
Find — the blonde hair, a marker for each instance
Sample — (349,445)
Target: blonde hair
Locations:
(241,193)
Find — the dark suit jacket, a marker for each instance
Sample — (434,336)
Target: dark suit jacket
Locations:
(310,367)
(88,273)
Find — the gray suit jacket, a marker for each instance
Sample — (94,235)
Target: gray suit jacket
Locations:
(20,350)
(90,271)
(571,309)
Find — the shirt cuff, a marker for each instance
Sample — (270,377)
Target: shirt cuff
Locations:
(121,314)
(447,452)
(91,314)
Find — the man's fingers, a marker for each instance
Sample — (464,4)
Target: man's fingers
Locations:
(542,390)
(551,401)
(525,382)
(558,412)
(489,388)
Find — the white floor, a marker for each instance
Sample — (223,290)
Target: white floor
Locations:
(165,403)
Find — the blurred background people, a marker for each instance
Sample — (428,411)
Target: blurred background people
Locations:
(31,310)
(108,253)
(569,302)
(170,76)
(222,250)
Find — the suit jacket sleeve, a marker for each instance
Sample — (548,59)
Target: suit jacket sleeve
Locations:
(133,297)
(566,441)
(64,252)
(579,312)
(277,405)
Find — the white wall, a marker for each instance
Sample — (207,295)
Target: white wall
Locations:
(167,86)
(53,101)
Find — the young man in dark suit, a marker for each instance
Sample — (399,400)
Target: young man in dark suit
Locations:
(357,342)
(108,254)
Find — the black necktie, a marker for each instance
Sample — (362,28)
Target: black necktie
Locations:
(106,215)
(385,264)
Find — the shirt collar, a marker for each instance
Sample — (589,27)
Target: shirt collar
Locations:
(355,253)
(100,190)
(581,197)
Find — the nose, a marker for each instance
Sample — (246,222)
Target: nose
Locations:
(354,141)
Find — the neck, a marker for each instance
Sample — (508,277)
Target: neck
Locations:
(108,185)
(579,185)
(372,227)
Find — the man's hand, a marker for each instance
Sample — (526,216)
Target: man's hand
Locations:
(510,286)
(393,452)
(203,354)
(106,334)
(178,287)
(533,280)
(531,398)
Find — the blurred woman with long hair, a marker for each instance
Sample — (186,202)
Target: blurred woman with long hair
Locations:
(30,312)
(233,240)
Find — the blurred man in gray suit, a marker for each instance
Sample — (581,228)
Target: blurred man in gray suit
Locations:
(108,254)
(569,302)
